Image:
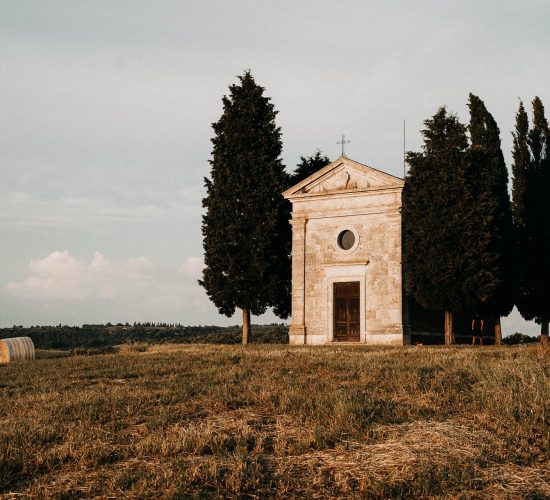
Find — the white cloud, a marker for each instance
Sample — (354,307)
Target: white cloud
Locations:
(61,277)
(58,276)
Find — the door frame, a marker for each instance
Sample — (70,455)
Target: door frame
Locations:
(348,308)
(338,273)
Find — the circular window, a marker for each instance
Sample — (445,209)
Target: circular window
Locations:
(346,239)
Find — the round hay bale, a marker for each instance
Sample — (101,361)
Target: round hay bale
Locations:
(16,349)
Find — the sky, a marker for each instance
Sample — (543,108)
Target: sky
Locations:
(105,125)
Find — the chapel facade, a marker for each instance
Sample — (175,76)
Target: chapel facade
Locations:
(347,245)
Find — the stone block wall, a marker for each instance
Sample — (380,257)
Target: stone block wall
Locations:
(375,262)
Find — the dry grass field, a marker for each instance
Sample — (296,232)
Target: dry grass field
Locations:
(195,421)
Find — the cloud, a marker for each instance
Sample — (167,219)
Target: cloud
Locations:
(135,284)
(58,276)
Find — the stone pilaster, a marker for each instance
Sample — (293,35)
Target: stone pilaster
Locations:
(297,331)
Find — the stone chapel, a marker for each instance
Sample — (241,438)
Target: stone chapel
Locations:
(347,281)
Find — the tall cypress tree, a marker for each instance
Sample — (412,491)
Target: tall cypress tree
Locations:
(489,258)
(531,193)
(433,215)
(246,234)
(307,166)
(520,168)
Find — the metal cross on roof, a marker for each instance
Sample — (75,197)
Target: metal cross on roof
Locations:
(343,142)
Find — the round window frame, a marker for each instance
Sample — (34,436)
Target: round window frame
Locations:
(352,249)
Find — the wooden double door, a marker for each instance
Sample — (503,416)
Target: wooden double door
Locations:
(346,312)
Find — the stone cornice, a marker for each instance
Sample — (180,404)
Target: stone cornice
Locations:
(345,193)
(346,212)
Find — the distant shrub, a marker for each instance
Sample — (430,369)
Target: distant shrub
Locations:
(519,338)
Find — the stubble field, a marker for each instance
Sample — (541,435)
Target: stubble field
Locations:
(184,421)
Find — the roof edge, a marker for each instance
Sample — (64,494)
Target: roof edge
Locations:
(342,159)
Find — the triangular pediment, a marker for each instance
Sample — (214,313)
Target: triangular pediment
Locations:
(343,175)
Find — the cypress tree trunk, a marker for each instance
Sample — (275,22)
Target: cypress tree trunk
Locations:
(498,332)
(449,334)
(246,326)
(544,334)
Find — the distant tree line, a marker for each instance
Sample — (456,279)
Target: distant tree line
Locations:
(97,336)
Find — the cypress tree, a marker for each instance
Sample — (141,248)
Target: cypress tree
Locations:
(531,193)
(246,234)
(489,257)
(520,168)
(433,215)
(308,166)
